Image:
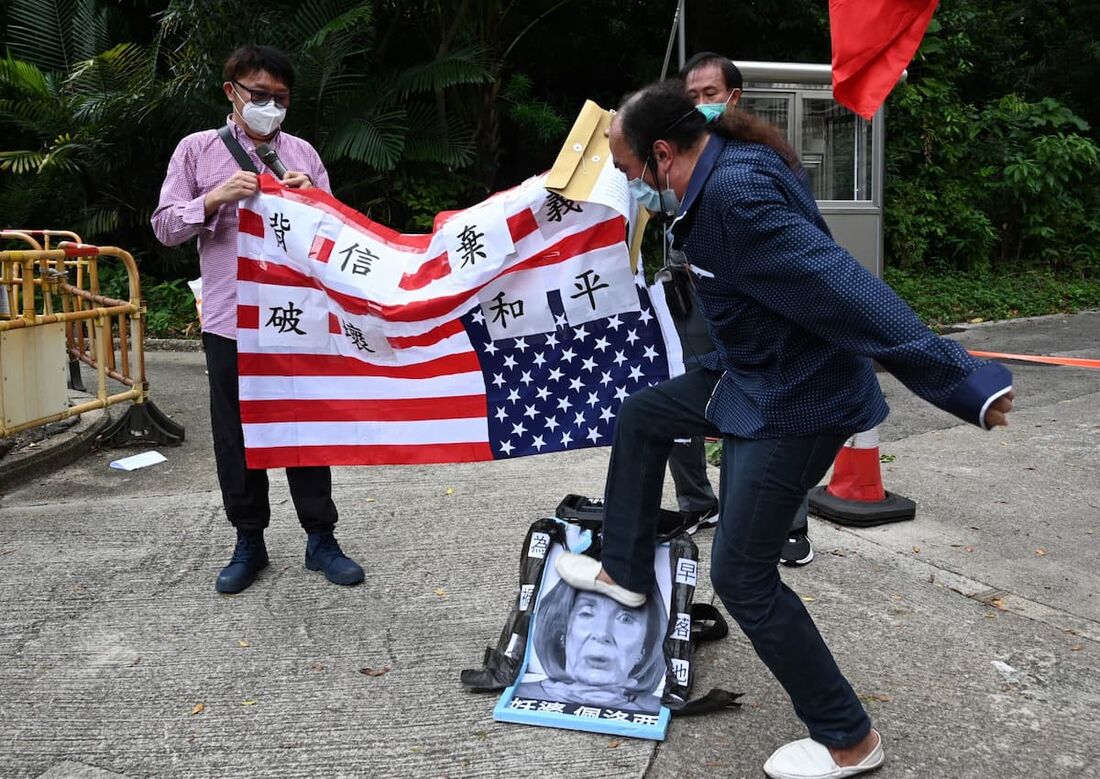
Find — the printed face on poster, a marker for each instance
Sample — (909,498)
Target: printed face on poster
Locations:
(593,664)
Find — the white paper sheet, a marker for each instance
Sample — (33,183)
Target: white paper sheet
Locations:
(142,460)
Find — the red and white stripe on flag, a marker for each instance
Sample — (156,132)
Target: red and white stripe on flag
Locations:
(873,42)
(354,341)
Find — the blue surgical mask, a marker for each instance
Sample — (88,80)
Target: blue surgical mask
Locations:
(646,195)
(712,111)
(664,201)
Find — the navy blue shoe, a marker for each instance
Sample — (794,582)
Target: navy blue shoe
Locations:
(249,558)
(323,553)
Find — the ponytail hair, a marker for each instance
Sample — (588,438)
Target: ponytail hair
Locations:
(742,125)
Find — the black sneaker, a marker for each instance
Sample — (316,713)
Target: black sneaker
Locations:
(695,521)
(797,551)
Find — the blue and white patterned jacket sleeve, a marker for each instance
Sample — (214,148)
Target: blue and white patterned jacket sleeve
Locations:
(789,264)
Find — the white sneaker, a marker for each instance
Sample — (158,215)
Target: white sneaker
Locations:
(807,759)
(580,571)
(698,520)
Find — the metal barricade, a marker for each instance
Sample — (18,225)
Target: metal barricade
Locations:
(41,239)
(56,312)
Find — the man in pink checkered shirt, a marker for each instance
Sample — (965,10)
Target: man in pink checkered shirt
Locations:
(199,199)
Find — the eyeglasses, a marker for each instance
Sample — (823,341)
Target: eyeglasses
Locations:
(261,98)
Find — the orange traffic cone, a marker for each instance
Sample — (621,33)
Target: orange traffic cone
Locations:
(855,495)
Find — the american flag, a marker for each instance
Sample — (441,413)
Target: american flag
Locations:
(516,327)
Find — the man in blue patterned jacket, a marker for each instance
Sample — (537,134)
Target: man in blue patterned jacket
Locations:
(796,321)
(714,83)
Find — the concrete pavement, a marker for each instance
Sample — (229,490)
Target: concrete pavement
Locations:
(972,633)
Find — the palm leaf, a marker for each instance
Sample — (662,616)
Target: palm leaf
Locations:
(469,65)
(38,32)
(23,77)
(378,139)
(122,71)
(88,32)
(97,221)
(61,153)
(22,161)
(430,141)
(321,18)
(323,74)
(34,116)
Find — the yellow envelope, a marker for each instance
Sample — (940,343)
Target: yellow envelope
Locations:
(583,154)
(582,157)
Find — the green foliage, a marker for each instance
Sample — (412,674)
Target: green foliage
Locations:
(57,34)
(89,121)
(170,305)
(418,107)
(423,195)
(950,297)
(171,309)
(1003,183)
(529,113)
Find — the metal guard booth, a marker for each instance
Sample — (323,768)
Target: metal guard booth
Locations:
(841,151)
(845,159)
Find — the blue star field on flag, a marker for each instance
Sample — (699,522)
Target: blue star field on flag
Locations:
(562,390)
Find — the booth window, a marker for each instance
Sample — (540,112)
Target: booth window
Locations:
(841,152)
(776,110)
(836,150)
(834,144)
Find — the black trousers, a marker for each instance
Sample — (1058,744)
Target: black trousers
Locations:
(687,461)
(244,490)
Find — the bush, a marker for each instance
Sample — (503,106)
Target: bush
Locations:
(953,296)
(1009,185)
(170,305)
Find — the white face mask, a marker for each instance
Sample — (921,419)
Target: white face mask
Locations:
(262,120)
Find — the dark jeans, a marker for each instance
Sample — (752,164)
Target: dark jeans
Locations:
(687,462)
(763,484)
(244,490)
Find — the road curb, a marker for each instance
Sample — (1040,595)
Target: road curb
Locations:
(173,344)
(58,450)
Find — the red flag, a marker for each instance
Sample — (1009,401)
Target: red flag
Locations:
(873,43)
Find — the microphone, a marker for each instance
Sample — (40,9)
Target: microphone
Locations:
(271,159)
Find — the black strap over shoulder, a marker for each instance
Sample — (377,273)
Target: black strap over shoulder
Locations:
(235,148)
(678,285)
